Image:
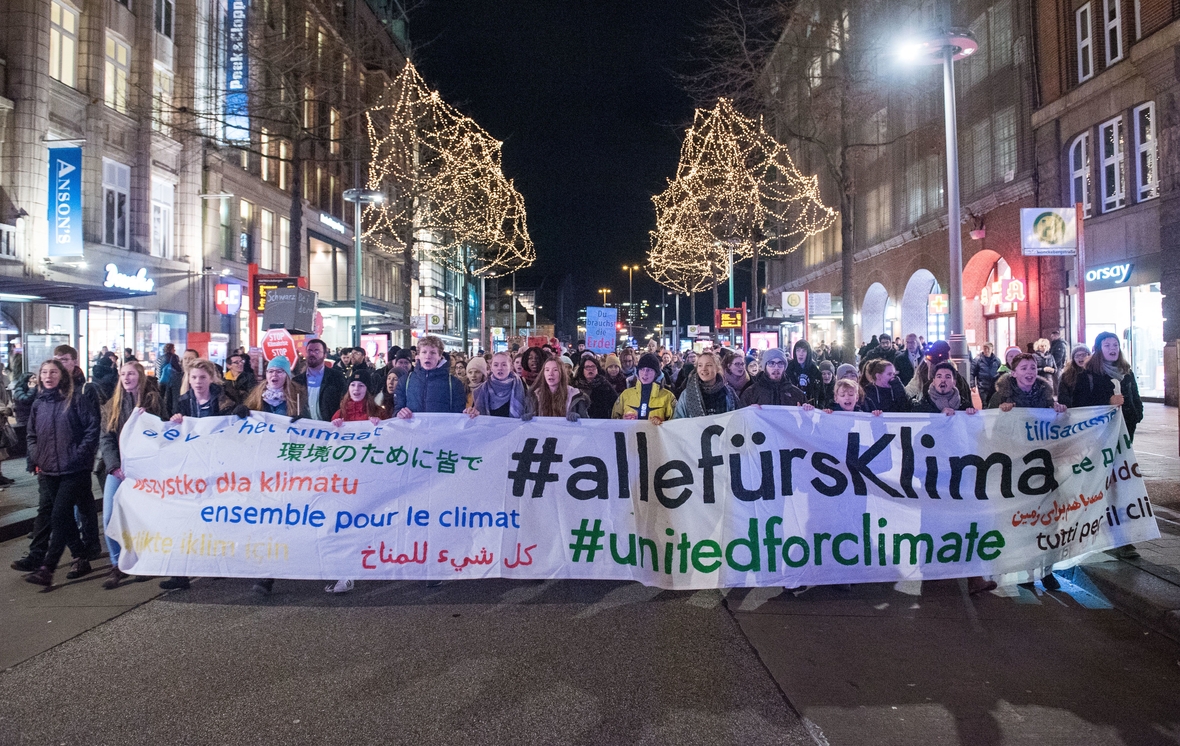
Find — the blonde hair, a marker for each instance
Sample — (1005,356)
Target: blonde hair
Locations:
(847,383)
(1041,345)
(116,402)
(294,394)
(205,365)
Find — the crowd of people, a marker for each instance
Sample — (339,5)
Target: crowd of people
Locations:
(71,424)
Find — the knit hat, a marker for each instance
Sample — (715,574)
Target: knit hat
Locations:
(649,360)
(1102,337)
(565,360)
(282,364)
(1010,353)
(846,370)
(611,359)
(939,352)
(359,375)
(404,355)
(771,355)
(478,363)
(1075,349)
(826,365)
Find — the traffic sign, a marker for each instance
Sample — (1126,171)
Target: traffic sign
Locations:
(279,343)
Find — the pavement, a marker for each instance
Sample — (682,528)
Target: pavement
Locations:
(499,661)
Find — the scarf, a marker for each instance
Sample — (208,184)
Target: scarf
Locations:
(494,393)
(274,397)
(694,393)
(1115,372)
(738,382)
(945,401)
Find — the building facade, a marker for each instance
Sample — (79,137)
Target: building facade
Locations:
(173,202)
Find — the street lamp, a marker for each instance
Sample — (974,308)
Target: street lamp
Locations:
(359,197)
(945,48)
(630,270)
(604,292)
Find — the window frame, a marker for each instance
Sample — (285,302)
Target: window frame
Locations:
(163,242)
(1080,143)
(1115,24)
(1146,146)
(116,76)
(1118,160)
(164,18)
(57,33)
(1085,44)
(162,99)
(113,187)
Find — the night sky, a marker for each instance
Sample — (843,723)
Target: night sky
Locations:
(583,95)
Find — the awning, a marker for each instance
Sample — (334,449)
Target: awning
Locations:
(41,291)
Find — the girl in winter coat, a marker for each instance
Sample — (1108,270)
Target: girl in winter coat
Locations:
(883,389)
(62,440)
(804,373)
(614,373)
(1109,381)
(705,391)
(846,397)
(1074,369)
(503,394)
(134,390)
(531,362)
(278,393)
(735,371)
(552,395)
(358,403)
(592,382)
(387,395)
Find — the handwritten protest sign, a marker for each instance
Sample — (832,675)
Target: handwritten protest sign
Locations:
(776,496)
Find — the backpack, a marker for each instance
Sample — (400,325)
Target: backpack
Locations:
(166,373)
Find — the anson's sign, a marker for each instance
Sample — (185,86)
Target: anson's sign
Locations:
(65,202)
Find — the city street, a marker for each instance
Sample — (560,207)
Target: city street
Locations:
(578,662)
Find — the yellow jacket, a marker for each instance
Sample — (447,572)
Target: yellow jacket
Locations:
(661,403)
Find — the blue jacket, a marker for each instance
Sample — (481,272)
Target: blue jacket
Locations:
(433,390)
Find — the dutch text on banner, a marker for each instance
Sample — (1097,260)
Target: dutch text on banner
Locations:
(771,496)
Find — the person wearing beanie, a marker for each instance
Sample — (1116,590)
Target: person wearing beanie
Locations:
(803,373)
(846,371)
(646,399)
(985,369)
(771,387)
(827,377)
(568,365)
(1074,369)
(613,370)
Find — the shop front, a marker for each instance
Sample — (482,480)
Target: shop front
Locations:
(1124,298)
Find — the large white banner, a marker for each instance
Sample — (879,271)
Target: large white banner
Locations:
(772,496)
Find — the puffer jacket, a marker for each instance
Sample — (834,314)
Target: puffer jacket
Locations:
(24,393)
(434,390)
(62,436)
(764,391)
(660,402)
(1040,397)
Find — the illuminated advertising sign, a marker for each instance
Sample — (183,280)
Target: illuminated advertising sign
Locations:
(65,202)
(237,72)
(263,285)
(227,296)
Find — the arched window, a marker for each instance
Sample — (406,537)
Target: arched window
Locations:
(1079,171)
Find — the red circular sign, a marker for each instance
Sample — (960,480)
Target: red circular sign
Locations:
(279,343)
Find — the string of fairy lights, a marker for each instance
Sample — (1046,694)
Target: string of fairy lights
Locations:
(735,188)
(445,178)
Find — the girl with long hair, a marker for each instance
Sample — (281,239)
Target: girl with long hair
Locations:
(63,440)
(358,403)
(552,395)
(133,391)
(591,380)
(1074,369)
(278,393)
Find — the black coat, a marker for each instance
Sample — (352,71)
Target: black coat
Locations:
(62,439)
(24,393)
(333,387)
(187,405)
(105,377)
(892,399)
(985,371)
(1095,390)
(108,439)
(602,396)
(807,378)
(765,392)
(905,368)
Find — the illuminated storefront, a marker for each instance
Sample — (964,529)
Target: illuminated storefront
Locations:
(1124,298)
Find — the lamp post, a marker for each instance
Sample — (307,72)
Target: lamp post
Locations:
(359,197)
(630,270)
(944,49)
(604,292)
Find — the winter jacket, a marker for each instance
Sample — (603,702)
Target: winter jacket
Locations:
(62,439)
(807,378)
(879,353)
(695,402)
(434,390)
(1046,360)
(926,405)
(905,367)
(1059,351)
(601,395)
(660,403)
(333,387)
(985,371)
(1095,390)
(24,393)
(239,388)
(353,411)
(617,382)
(892,399)
(764,391)
(1040,397)
(187,405)
(105,377)
(108,439)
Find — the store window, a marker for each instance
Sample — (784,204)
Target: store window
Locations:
(116,190)
(163,196)
(328,268)
(1135,315)
(116,73)
(999,299)
(154,329)
(1146,157)
(63,43)
(110,327)
(246,232)
(284,242)
(1114,192)
(1079,172)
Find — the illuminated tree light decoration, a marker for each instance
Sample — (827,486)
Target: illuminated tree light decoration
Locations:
(447,185)
(735,188)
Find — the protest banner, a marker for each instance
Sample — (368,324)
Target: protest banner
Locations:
(771,496)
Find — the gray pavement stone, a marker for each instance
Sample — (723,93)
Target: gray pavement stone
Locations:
(488,662)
